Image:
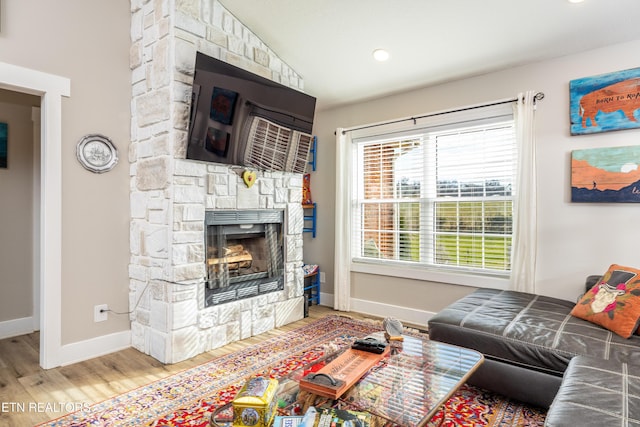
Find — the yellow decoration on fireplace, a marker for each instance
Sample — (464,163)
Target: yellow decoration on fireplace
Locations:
(249,178)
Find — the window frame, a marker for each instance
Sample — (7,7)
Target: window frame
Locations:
(418,271)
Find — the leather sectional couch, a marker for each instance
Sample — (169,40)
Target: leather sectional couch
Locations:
(536,351)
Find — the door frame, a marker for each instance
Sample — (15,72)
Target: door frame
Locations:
(51,89)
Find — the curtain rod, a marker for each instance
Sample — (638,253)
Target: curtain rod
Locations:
(537,97)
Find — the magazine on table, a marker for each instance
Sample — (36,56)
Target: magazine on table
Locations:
(333,417)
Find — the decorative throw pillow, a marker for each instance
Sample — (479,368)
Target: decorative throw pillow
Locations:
(613,302)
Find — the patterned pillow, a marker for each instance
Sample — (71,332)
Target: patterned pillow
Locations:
(613,302)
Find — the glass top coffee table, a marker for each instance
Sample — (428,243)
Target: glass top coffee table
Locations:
(407,388)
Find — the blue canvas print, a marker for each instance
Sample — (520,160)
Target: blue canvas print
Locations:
(4,131)
(606,102)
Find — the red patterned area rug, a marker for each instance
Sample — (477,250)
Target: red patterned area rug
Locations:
(188,398)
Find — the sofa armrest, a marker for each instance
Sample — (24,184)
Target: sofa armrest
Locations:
(591,281)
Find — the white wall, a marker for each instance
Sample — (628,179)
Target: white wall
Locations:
(574,239)
(88,42)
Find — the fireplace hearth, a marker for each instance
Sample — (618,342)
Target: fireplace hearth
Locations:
(245,254)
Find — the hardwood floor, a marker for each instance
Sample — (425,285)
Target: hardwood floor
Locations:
(30,395)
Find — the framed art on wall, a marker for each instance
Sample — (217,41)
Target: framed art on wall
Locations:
(4,142)
(606,102)
(606,175)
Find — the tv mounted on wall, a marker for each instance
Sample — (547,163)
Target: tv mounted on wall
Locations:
(240,118)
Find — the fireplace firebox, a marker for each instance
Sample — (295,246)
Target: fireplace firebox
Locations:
(245,254)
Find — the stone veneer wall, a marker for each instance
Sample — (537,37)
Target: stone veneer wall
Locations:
(169,195)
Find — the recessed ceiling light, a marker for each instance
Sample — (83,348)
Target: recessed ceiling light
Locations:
(576,1)
(380,55)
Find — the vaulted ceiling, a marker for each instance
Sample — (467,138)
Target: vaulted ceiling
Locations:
(330,42)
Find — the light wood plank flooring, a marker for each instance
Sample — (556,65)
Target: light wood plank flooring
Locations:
(30,395)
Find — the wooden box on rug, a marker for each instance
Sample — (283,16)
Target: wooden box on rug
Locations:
(255,405)
(336,377)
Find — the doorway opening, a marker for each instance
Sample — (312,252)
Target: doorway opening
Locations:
(51,89)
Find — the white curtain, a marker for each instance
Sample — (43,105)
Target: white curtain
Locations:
(524,247)
(342,271)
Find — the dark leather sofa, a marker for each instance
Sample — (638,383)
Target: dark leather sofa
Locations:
(597,392)
(529,342)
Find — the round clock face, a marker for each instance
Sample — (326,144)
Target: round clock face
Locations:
(97,153)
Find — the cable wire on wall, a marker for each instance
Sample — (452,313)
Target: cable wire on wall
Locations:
(144,290)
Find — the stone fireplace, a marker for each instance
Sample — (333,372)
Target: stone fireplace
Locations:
(185,297)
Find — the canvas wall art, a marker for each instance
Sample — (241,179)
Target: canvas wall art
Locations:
(606,175)
(606,102)
(4,142)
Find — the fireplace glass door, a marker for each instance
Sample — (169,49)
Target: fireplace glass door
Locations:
(245,254)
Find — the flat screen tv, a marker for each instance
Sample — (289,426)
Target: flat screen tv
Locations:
(240,118)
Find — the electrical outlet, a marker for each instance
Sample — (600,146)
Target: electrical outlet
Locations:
(322,277)
(100,313)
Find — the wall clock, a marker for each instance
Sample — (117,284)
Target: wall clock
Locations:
(97,153)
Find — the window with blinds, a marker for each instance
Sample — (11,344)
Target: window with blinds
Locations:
(440,196)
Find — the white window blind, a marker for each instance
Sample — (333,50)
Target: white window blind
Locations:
(438,194)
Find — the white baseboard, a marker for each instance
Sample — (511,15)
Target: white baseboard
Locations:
(94,347)
(15,327)
(99,346)
(326,299)
(406,315)
(74,352)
